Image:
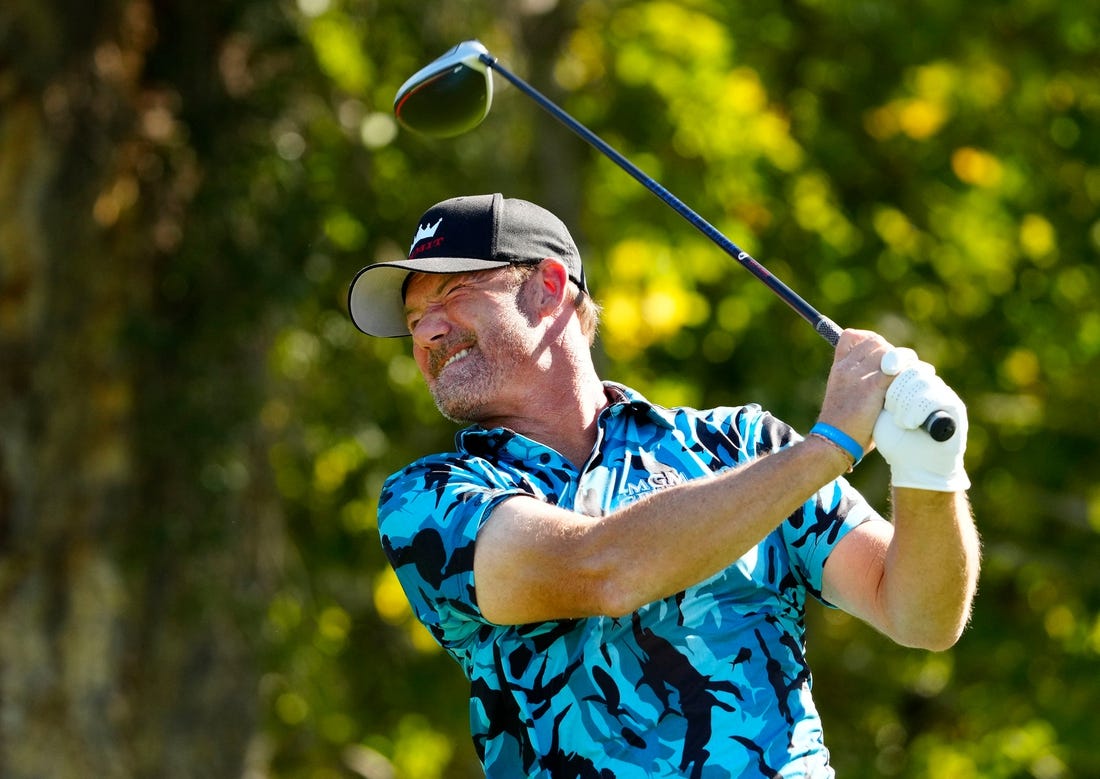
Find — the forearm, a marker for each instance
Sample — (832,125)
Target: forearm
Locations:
(641,548)
(536,562)
(930,570)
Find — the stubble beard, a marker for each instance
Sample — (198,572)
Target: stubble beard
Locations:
(462,396)
(468,392)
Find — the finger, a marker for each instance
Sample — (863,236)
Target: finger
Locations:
(897,360)
(915,394)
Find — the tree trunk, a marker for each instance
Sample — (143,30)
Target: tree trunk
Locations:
(124,588)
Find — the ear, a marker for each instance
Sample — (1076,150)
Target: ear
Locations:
(553,279)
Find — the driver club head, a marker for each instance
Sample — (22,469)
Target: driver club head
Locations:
(450,95)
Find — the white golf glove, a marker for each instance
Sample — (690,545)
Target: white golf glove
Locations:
(916,459)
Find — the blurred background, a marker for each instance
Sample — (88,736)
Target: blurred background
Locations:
(194,435)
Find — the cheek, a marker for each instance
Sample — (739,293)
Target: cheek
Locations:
(513,338)
(421,358)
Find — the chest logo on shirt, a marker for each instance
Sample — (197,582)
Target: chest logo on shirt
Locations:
(644,474)
(620,482)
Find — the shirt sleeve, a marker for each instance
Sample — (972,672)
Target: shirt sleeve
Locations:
(813,531)
(429,515)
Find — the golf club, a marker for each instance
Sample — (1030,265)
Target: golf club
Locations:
(453,94)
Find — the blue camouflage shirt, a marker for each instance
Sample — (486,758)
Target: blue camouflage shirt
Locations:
(711,682)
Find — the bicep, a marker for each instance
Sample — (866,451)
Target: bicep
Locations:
(533,562)
(855,569)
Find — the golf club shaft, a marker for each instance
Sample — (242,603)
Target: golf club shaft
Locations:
(824,326)
(939,424)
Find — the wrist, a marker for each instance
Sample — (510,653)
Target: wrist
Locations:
(840,440)
(926,479)
(827,452)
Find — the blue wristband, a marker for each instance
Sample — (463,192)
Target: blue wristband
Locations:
(841,439)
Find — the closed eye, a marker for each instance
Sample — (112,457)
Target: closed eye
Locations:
(443,297)
(445,294)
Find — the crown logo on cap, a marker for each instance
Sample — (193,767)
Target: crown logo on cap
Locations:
(425,231)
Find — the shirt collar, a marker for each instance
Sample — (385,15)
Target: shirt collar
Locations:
(622,400)
(625,400)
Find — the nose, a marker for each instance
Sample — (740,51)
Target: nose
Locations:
(430,327)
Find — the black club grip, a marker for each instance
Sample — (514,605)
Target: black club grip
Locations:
(940,425)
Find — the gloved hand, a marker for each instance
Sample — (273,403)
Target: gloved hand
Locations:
(916,459)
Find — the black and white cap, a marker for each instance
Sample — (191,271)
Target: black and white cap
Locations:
(459,235)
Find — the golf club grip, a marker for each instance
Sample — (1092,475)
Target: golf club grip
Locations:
(827,329)
(940,425)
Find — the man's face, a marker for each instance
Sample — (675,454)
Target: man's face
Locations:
(470,337)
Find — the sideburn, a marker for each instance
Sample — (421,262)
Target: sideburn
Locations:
(527,298)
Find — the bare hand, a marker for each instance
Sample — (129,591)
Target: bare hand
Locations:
(856,390)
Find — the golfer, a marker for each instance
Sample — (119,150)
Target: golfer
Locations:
(625,584)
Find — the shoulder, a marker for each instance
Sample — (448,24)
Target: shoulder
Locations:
(432,509)
(486,467)
(438,474)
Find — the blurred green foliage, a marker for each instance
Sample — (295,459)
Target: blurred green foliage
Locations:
(929,170)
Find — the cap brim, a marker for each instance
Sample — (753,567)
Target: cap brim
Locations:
(374,298)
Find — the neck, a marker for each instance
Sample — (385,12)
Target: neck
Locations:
(561,415)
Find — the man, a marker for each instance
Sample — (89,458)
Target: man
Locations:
(624,584)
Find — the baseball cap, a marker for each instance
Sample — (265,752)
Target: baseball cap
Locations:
(459,235)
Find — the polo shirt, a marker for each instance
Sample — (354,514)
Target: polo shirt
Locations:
(710,682)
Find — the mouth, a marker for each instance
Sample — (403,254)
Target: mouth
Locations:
(454,358)
(459,355)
